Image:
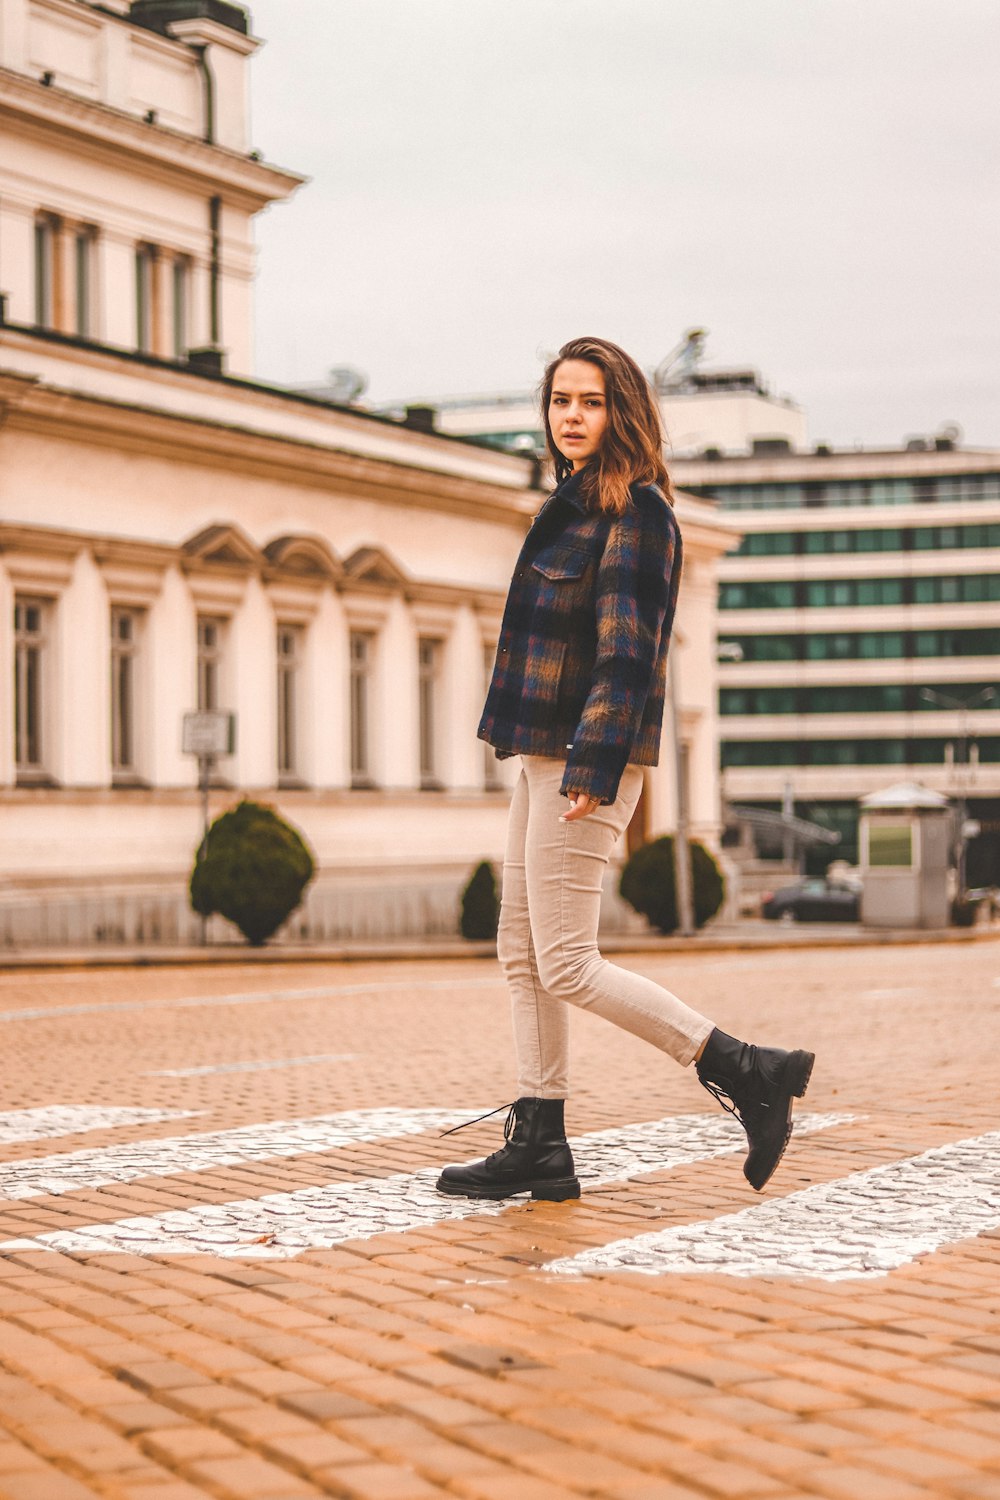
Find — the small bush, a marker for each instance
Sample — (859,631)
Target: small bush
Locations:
(647,884)
(481,904)
(255,869)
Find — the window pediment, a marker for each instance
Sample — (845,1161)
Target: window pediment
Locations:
(306,557)
(373,565)
(224,546)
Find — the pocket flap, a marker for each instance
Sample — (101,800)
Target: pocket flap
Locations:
(562,562)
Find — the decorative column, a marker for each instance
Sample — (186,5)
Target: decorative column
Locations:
(159,311)
(396,693)
(83,746)
(327,688)
(116,292)
(168,689)
(255,669)
(63,277)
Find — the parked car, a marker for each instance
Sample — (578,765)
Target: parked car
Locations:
(814,901)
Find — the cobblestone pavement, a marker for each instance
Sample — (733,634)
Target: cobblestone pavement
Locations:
(224,1270)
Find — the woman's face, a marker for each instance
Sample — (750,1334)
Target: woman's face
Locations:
(578,411)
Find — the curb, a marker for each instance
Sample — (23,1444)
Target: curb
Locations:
(451,949)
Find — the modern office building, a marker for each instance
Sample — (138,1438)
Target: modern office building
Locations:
(859,629)
(177,536)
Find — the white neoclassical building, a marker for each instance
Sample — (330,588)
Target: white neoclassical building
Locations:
(176,535)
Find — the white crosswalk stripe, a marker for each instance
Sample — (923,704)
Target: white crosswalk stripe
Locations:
(256,1065)
(35,1177)
(285,1224)
(266,997)
(19,1126)
(864,1225)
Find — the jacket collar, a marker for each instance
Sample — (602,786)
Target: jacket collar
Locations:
(570,490)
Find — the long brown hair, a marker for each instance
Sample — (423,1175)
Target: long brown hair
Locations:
(632,448)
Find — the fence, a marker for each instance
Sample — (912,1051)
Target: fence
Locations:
(334,911)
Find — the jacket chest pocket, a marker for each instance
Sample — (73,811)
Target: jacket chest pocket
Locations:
(562,565)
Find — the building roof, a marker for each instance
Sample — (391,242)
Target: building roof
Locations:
(903,795)
(157,15)
(197,368)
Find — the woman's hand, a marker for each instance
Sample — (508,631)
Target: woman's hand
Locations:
(580,805)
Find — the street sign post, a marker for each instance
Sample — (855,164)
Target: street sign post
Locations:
(207,734)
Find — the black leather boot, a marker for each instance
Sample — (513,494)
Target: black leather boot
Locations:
(757,1085)
(535,1160)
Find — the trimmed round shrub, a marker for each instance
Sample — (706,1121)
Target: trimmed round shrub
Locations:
(648,885)
(254,871)
(481,904)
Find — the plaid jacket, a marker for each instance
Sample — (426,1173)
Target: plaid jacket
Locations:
(582,658)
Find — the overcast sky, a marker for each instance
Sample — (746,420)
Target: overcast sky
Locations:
(814,181)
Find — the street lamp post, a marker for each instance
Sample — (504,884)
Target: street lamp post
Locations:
(962,705)
(682,843)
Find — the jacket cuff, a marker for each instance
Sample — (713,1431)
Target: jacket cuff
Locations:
(597,781)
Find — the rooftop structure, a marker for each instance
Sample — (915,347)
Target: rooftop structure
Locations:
(703,408)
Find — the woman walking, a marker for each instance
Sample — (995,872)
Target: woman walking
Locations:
(578,692)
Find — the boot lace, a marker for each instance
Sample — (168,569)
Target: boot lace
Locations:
(508,1127)
(721,1097)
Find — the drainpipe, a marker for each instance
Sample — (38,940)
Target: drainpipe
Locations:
(215,203)
(215,233)
(208,80)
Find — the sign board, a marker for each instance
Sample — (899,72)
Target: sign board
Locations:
(209,732)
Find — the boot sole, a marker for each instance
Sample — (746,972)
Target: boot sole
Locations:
(559,1190)
(798,1071)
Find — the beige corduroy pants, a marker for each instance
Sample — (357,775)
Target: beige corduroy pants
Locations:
(547,942)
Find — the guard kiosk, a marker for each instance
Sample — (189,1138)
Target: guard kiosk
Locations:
(906,837)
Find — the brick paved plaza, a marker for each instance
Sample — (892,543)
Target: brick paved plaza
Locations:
(224,1270)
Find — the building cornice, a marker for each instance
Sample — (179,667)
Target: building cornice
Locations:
(797,467)
(107,372)
(100,130)
(128,552)
(14,390)
(202,30)
(46,541)
(50,410)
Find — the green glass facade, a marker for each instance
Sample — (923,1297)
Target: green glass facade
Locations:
(867,645)
(850,752)
(867,539)
(849,698)
(841,593)
(797,495)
